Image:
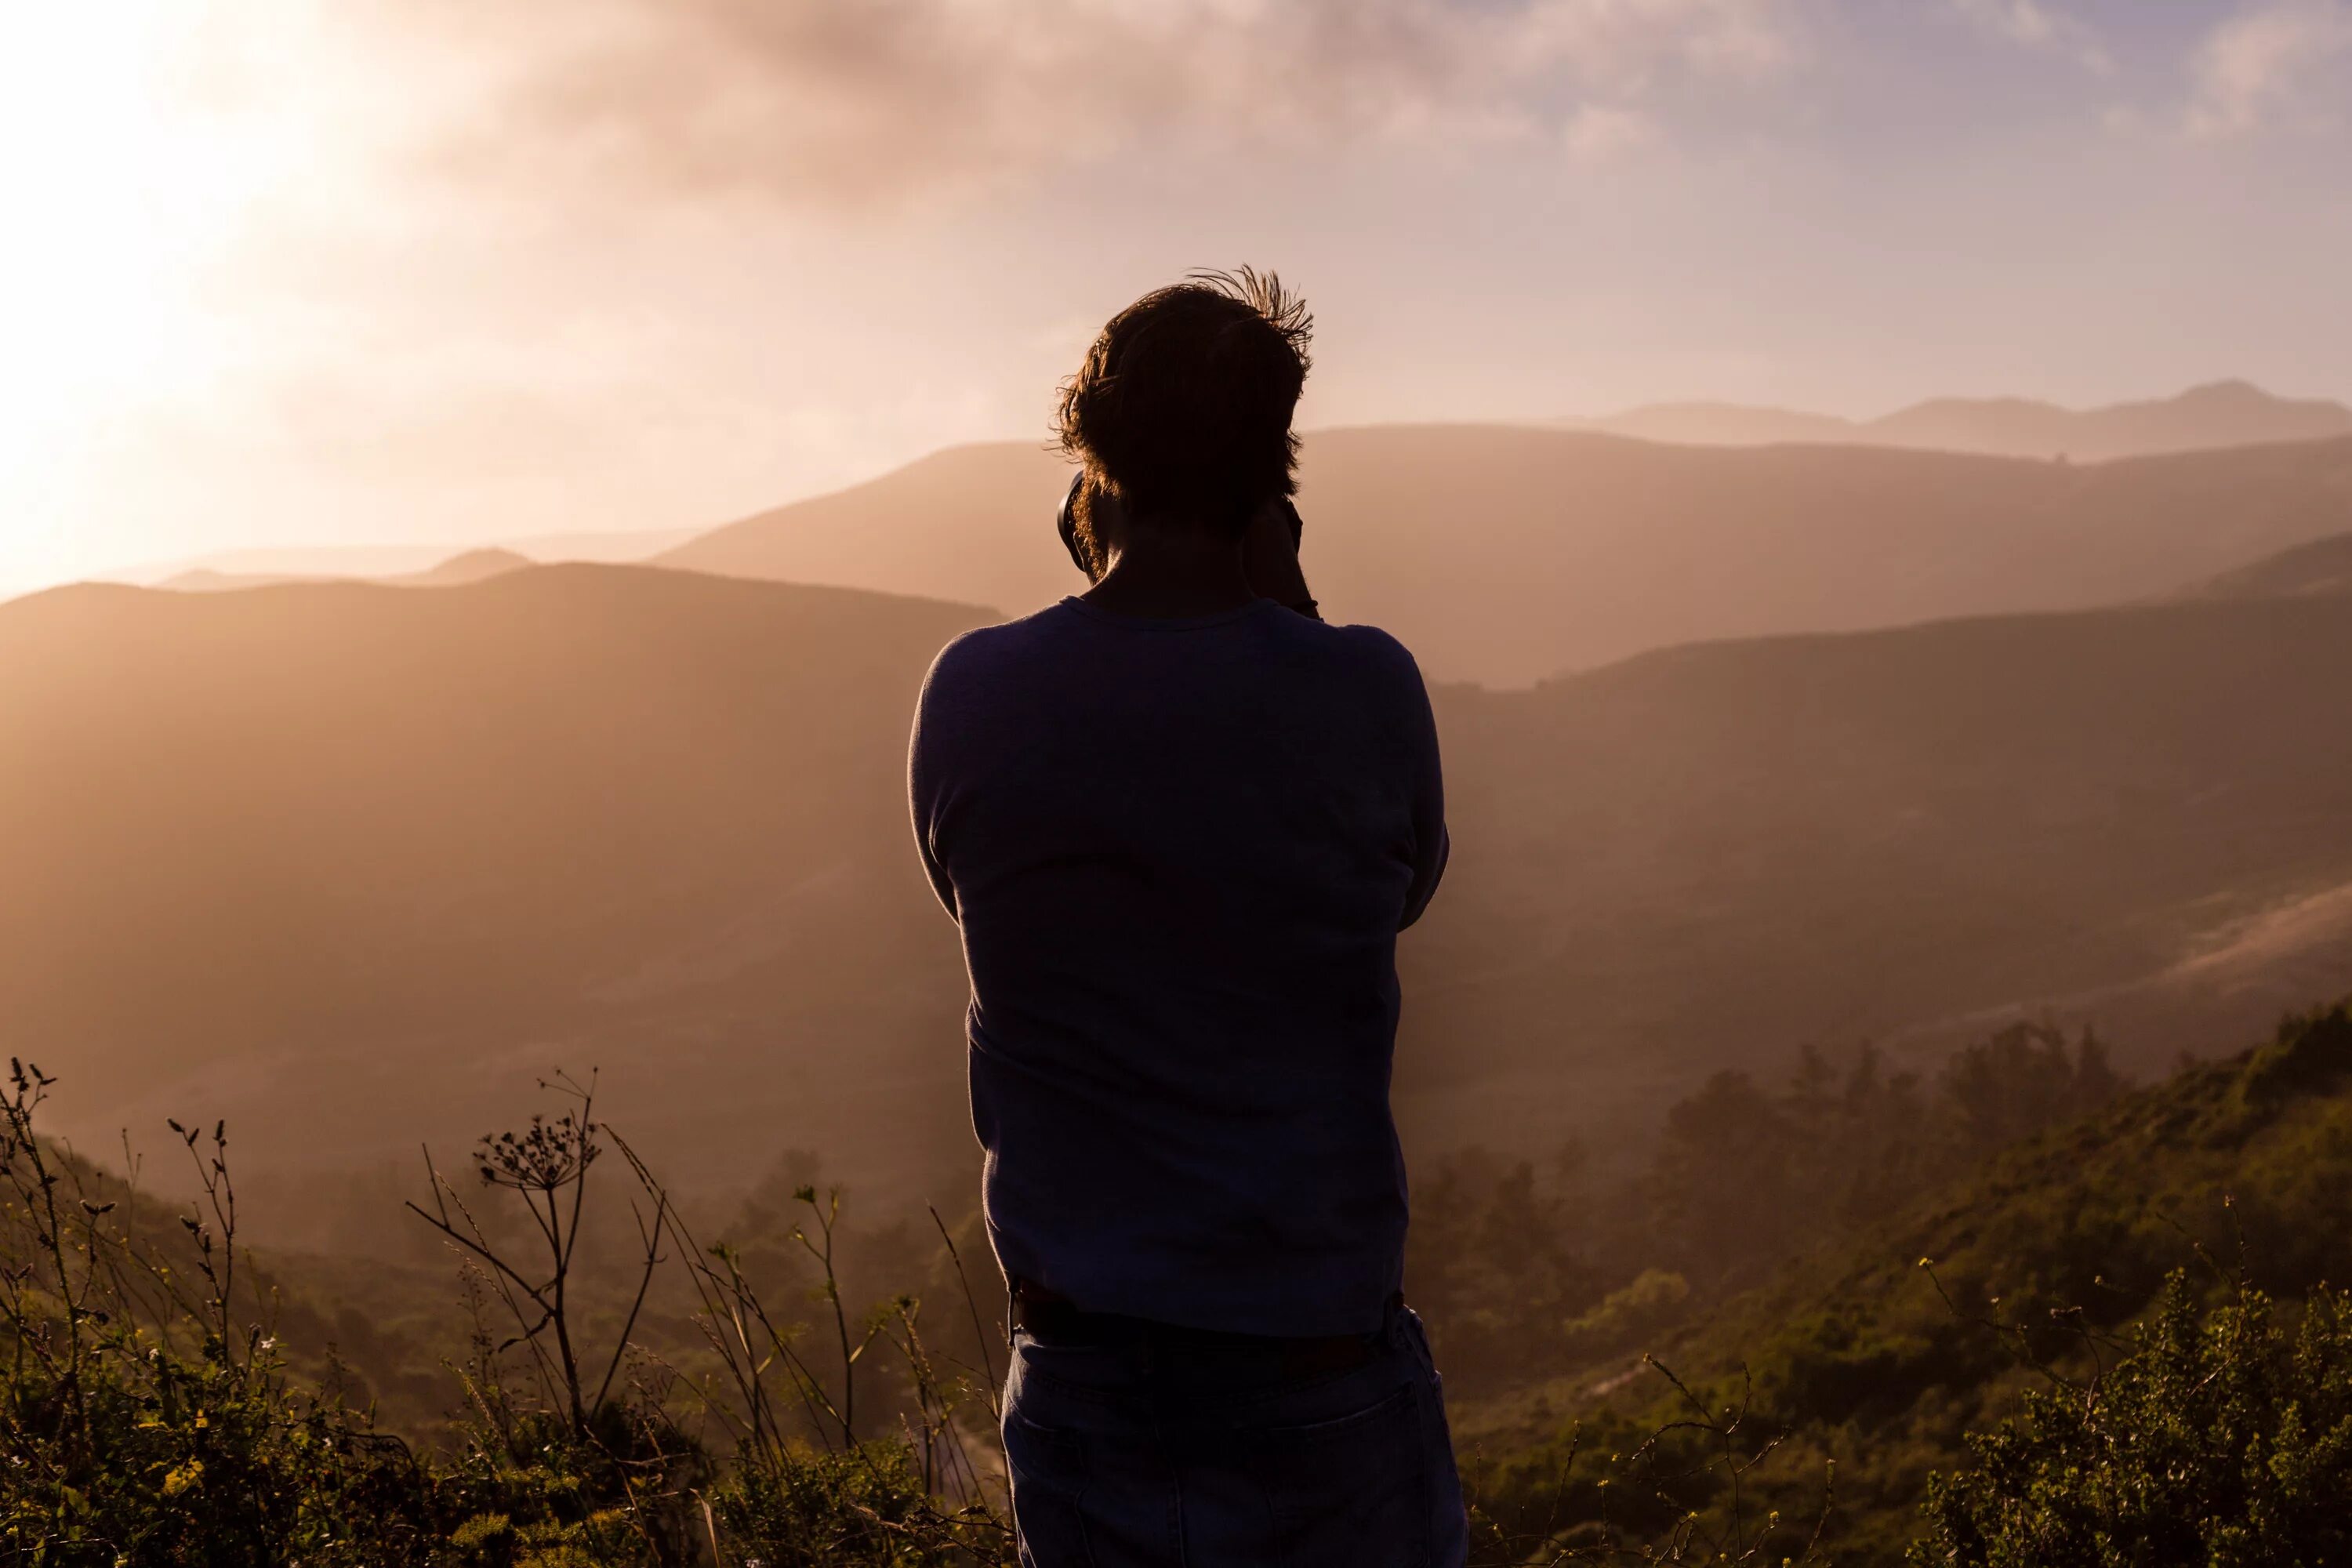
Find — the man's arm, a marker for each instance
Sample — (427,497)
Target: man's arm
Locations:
(1431,843)
(923,787)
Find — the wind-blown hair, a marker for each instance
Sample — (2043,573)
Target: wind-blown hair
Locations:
(1182,408)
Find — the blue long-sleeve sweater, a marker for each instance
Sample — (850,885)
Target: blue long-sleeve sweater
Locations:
(1180,852)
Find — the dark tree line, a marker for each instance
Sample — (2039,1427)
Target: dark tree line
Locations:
(1517,1266)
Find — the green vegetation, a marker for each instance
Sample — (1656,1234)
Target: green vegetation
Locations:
(1909,1349)
(1528,1275)
(2221,1441)
(1870,1360)
(150,1416)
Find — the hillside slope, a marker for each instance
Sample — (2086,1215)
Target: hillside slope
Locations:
(2322,566)
(1880,1360)
(1503,555)
(1714,854)
(355,865)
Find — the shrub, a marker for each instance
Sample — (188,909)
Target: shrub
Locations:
(2217,1439)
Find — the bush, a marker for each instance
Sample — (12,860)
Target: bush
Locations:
(2217,1439)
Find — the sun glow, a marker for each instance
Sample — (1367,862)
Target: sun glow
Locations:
(122,172)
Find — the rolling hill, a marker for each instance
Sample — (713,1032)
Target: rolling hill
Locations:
(2222,414)
(2322,566)
(2140,816)
(354,866)
(1504,555)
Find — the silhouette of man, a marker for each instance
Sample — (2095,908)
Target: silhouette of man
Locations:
(1181,821)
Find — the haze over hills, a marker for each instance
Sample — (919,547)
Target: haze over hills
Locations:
(1732,424)
(468,566)
(322,562)
(1504,554)
(2141,817)
(354,866)
(2222,414)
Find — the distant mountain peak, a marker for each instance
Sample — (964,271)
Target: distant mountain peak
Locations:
(2231,389)
(2232,412)
(488,556)
(471,566)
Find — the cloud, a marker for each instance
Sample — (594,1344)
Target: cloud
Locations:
(1600,132)
(2279,63)
(2034,25)
(874,102)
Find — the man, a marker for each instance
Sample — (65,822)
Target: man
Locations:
(1180,822)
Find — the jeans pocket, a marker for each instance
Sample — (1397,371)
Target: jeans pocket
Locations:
(1449,1521)
(1351,1492)
(1049,1489)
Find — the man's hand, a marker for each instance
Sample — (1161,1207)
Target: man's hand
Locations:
(1270,557)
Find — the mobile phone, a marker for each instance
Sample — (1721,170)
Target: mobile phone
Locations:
(1066,523)
(1298,523)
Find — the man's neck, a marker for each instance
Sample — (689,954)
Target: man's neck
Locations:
(1173,574)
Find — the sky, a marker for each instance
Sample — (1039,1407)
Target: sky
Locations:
(344,271)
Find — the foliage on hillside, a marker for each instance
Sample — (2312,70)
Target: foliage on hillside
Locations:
(1874,1359)
(2222,1440)
(150,1415)
(1527,1274)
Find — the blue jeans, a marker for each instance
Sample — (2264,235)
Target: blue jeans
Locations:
(1178,1454)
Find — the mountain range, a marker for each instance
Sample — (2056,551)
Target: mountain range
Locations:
(1504,555)
(466,566)
(2221,414)
(2135,817)
(353,865)
(250,566)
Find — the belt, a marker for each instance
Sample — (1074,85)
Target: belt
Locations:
(1054,1319)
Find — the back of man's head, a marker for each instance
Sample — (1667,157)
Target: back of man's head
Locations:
(1183,408)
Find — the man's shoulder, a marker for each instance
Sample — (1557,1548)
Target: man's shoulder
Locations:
(1368,649)
(991,656)
(985,647)
(1369,643)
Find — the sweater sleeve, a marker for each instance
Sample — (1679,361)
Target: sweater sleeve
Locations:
(1431,844)
(926,784)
